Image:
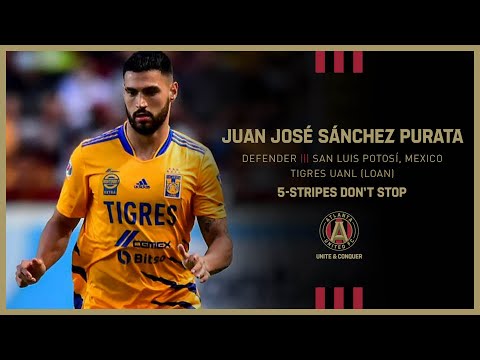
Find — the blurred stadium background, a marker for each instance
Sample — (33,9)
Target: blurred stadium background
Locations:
(55,99)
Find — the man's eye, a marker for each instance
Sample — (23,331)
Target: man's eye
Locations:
(150,92)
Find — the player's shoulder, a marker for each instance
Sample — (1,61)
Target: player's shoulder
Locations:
(103,138)
(187,142)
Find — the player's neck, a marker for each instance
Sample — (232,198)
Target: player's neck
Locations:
(145,147)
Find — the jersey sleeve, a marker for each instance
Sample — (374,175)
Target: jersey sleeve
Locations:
(73,198)
(208,199)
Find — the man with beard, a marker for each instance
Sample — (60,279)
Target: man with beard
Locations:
(139,188)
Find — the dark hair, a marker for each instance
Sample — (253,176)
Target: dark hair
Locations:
(148,60)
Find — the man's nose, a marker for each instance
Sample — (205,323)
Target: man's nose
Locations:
(141,102)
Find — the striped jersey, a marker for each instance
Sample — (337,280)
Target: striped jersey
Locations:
(135,214)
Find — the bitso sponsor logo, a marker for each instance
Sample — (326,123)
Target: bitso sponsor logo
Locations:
(125,256)
(339,231)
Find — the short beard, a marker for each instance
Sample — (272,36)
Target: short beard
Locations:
(155,124)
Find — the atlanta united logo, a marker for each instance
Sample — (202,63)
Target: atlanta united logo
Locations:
(339,231)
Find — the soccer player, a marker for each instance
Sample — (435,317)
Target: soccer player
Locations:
(139,188)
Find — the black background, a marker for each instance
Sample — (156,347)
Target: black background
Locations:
(427,237)
(418,250)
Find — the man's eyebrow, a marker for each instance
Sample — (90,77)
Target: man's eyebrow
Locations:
(148,88)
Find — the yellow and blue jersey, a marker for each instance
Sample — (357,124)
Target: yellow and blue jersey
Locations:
(136,212)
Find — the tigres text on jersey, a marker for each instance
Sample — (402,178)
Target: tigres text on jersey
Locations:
(135,214)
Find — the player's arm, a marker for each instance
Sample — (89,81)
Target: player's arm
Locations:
(219,253)
(209,208)
(54,239)
(53,243)
(71,206)
(220,247)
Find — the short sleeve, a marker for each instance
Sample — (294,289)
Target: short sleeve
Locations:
(74,195)
(208,199)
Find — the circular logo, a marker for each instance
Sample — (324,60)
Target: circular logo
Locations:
(339,230)
(173,188)
(111,181)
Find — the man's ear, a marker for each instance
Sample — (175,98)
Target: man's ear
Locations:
(173,91)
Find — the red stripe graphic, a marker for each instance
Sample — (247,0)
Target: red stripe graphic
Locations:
(358,297)
(338,63)
(320,298)
(338,298)
(320,62)
(358,62)
(321,294)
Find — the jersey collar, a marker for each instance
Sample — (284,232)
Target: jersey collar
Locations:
(122,135)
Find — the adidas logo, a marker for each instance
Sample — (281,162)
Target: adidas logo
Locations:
(142,184)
